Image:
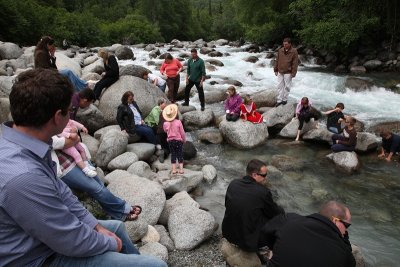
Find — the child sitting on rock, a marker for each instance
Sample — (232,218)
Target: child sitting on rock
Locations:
(176,136)
(77,151)
(248,111)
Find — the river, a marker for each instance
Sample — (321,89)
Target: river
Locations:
(373,194)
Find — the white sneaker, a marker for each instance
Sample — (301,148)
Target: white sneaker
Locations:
(89,166)
(158,147)
(88,172)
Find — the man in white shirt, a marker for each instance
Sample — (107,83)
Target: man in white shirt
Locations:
(155,80)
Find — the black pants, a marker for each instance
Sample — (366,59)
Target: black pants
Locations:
(173,86)
(103,83)
(199,90)
(306,117)
(232,117)
(176,148)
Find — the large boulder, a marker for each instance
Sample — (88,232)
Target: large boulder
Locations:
(95,67)
(206,50)
(165,239)
(265,98)
(6,83)
(290,130)
(4,109)
(177,183)
(10,50)
(345,161)
(64,62)
(123,52)
(145,96)
(357,84)
(215,96)
(366,142)
(215,62)
(243,134)
(92,144)
(179,199)
(320,135)
(133,70)
(392,126)
(373,64)
(143,192)
(197,119)
(123,161)
(280,115)
(91,117)
(155,249)
(141,169)
(231,82)
(189,227)
(143,150)
(112,144)
(99,133)
(215,54)
(222,42)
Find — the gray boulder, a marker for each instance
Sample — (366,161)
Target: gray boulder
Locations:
(89,60)
(112,144)
(123,53)
(373,64)
(92,144)
(209,172)
(4,109)
(357,84)
(165,239)
(64,62)
(189,227)
(366,142)
(91,76)
(143,192)
(265,98)
(123,161)
(231,82)
(6,83)
(358,69)
(150,47)
(99,133)
(116,175)
(222,42)
(95,67)
(185,109)
(287,163)
(10,50)
(281,115)
(345,161)
(206,50)
(189,150)
(215,96)
(155,249)
(215,62)
(212,136)
(319,135)
(133,70)
(197,119)
(91,117)
(143,150)
(141,169)
(145,96)
(157,166)
(274,173)
(290,130)
(151,236)
(237,257)
(252,59)
(243,134)
(177,183)
(215,54)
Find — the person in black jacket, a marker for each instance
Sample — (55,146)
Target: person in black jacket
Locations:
(390,145)
(111,74)
(129,118)
(249,205)
(320,239)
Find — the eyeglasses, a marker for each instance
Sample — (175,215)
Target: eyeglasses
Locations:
(346,224)
(262,174)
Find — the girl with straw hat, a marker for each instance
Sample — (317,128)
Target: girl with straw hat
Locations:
(175,136)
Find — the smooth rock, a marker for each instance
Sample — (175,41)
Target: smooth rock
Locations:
(287,163)
(243,134)
(165,239)
(141,169)
(358,84)
(197,119)
(6,83)
(189,150)
(116,175)
(265,98)
(95,67)
(113,144)
(176,183)
(91,117)
(133,70)
(89,60)
(124,53)
(10,50)
(290,130)
(92,144)
(215,54)
(319,135)
(231,82)
(136,229)
(123,161)
(215,62)
(280,115)
(143,150)
(345,161)
(210,173)
(155,249)
(236,257)
(206,50)
(4,109)
(222,42)
(215,96)
(252,59)
(393,126)
(185,109)
(152,235)
(212,136)
(99,133)
(373,64)
(91,76)
(64,62)
(189,227)
(366,142)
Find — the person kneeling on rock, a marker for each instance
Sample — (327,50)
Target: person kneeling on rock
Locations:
(176,136)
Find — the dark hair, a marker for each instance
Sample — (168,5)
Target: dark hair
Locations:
(145,73)
(161,101)
(43,42)
(352,120)
(37,95)
(333,208)
(87,94)
(194,50)
(232,89)
(125,96)
(168,56)
(287,39)
(340,105)
(305,101)
(254,165)
(384,133)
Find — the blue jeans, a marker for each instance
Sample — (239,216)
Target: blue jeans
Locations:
(162,87)
(340,147)
(146,132)
(333,130)
(129,255)
(114,206)
(75,80)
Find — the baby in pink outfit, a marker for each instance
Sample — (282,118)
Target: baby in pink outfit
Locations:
(77,151)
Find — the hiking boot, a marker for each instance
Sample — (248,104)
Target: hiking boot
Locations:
(202,108)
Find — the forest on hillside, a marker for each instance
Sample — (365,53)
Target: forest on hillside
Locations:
(332,25)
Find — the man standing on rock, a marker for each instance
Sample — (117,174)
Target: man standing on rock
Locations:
(249,205)
(42,223)
(196,74)
(286,69)
(316,240)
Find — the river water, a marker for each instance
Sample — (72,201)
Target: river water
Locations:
(373,194)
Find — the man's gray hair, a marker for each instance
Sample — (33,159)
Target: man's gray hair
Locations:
(333,208)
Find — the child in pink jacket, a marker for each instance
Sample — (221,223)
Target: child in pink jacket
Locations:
(77,151)
(175,136)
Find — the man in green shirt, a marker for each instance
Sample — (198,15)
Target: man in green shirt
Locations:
(196,74)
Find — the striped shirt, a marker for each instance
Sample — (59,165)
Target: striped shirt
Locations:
(39,215)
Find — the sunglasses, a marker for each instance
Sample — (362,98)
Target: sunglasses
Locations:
(262,174)
(346,224)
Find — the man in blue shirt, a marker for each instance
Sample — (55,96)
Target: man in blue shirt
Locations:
(42,223)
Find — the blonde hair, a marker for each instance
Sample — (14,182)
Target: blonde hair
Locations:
(103,54)
(247,99)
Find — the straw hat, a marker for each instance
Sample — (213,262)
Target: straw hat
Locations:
(169,112)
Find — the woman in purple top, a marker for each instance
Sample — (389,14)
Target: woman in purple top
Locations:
(232,104)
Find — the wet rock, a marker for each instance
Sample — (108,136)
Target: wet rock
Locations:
(123,161)
(319,135)
(270,55)
(197,119)
(234,256)
(4,109)
(287,163)
(358,256)
(231,82)
(155,249)
(165,239)
(179,199)
(6,83)
(95,67)
(133,70)
(244,134)
(210,67)
(150,47)
(290,130)
(345,161)
(206,50)
(9,50)
(366,142)
(91,117)
(92,144)
(113,144)
(358,69)
(392,126)
(320,195)
(211,136)
(340,69)
(252,59)
(215,54)
(64,62)
(143,150)
(152,235)
(215,62)
(123,53)
(280,115)
(358,84)
(210,173)
(373,64)
(189,227)
(265,98)
(145,96)
(177,183)
(274,173)
(141,169)
(215,96)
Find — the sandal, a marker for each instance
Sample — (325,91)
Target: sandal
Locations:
(173,173)
(134,210)
(131,217)
(181,172)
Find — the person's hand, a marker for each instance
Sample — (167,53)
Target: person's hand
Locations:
(276,73)
(337,141)
(106,232)
(85,130)
(142,122)
(381,155)
(201,84)
(103,74)
(73,136)
(388,159)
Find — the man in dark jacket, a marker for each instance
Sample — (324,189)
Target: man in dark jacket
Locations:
(390,144)
(249,205)
(320,239)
